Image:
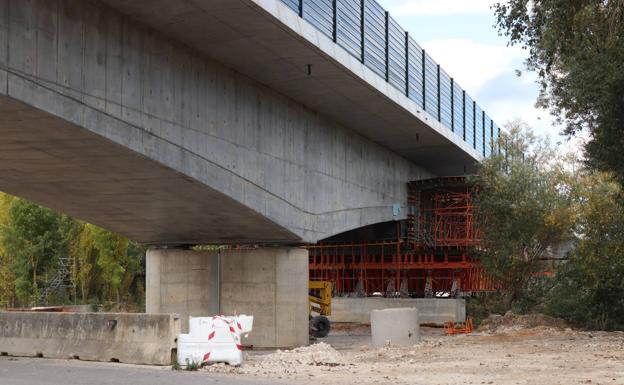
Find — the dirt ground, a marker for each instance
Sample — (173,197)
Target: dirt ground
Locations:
(505,354)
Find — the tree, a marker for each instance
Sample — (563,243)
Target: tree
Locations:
(83,253)
(589,290)
(34,237)
(6,277)
(523,209)
(577,49)
(106,267)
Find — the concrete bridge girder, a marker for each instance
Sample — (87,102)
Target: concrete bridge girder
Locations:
(114,123)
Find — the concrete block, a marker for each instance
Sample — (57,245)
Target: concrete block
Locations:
(434,311)
(395,327)
(129,338)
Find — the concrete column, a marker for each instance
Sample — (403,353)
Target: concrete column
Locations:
(269,283)
(185,282)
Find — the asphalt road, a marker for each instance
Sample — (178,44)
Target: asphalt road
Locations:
(39,371)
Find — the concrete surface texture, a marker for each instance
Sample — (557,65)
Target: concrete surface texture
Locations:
(128,338)
(433,311)
(182,282)
(269,283)
(267,41)
(395,327)
(124,127)
(28,371)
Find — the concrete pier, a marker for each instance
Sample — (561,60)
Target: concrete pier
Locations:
(269,283)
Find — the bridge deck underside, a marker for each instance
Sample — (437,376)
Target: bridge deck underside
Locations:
(65,167)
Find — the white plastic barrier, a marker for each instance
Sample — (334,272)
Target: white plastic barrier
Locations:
(214,339)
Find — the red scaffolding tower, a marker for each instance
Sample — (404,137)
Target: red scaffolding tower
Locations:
(429,255)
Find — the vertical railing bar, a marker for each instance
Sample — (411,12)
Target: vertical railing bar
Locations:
(407,73)
(474,124)
(439,103)
(483,131)
(300,8)
(452,105)
(363,4)
(491,136)
(387,46)
(424,82)
(464,112)
(335,20)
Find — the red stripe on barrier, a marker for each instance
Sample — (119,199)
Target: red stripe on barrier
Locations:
(232,330)
(211,335)
(206,356)
(239,347)
(239,326)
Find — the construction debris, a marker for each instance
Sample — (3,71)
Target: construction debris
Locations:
(512,322)
(537,356)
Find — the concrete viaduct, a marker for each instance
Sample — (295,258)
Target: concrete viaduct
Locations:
(225,122)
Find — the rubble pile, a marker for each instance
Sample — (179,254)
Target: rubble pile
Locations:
(496,323)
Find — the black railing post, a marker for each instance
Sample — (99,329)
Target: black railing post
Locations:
(407,73)
(335,20)
(474,124)
(483,131)
(387,46)
(300,8)
(464,113)
(439,103)
(452,105)
(491,137)
(362,10)
(424,81)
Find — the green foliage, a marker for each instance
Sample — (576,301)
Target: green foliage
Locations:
(34,239)
(577,49)
(527,206)
(6,276)
(589,289)
(523,211)
(106,267)
(192,366)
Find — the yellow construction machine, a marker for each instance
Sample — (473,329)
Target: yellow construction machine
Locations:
(320,294)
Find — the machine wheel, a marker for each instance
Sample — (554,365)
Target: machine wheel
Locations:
(319,326)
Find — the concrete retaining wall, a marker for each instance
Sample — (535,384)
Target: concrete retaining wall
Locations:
(430,310)
(130,338)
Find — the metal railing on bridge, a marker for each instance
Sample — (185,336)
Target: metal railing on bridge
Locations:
(368,32)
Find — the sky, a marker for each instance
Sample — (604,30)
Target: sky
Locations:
(460,35)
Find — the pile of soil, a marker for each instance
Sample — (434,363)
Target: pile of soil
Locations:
(496,323)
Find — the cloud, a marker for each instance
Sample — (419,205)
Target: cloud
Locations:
(437,7)
(488,73)
(473,64)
